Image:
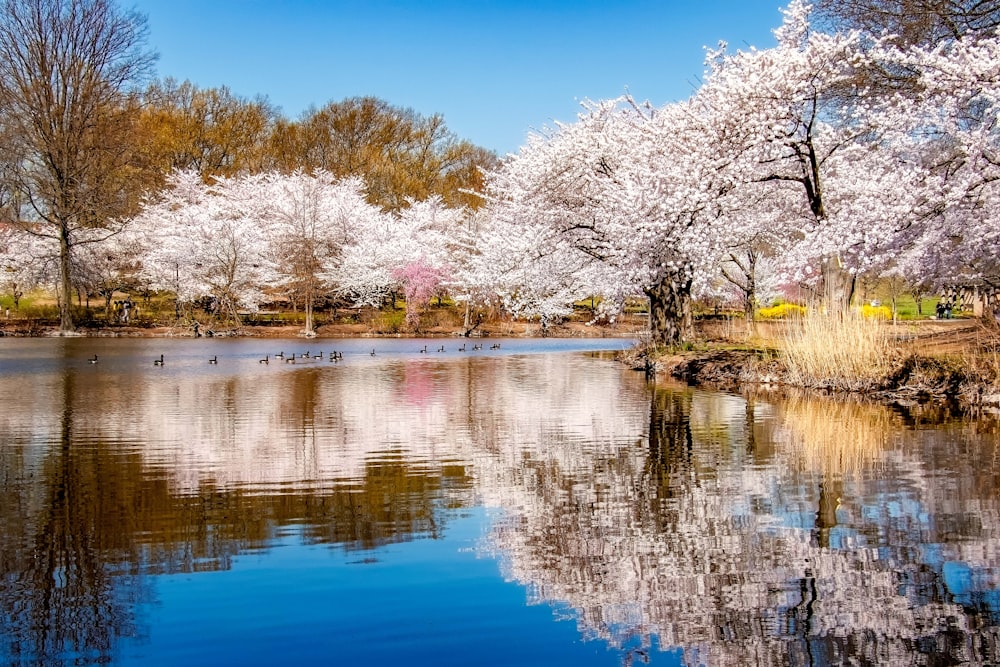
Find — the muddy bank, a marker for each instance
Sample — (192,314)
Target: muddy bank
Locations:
(914,379)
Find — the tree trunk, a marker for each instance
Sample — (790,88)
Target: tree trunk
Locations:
(670,310)
(309,313)
(750,304)
(65,286)
(838,285)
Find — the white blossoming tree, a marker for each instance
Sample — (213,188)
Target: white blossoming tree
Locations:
(210,240)
(953,121)
(314,218)
(635,192)
(831,154)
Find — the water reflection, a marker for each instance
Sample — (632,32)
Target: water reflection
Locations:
(803,531)
(735,529)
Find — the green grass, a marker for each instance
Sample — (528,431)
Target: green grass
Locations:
(906,307)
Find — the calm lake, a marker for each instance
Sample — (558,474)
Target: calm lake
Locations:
(536,504)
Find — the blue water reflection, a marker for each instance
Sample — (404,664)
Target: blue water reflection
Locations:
(528,504)
(428,602)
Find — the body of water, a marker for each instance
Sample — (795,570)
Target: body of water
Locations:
(534,503)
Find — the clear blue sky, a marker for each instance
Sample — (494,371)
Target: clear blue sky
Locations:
(495,70)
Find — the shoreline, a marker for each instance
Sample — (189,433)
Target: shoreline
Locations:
(917,380)
(938,362)
(571,329)
(925,374)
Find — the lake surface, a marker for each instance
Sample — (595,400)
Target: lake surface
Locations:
(536,504)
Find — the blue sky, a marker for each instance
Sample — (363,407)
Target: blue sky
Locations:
(495,70)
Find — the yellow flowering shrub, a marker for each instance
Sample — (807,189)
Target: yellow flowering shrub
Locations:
(781,311)
(876,312)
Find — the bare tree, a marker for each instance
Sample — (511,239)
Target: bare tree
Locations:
(210,130)
(925,22)
(66,68)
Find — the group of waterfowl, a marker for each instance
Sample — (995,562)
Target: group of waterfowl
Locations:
(332,356)
(475,348)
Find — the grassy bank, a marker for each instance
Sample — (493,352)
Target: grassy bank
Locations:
(946,360)
(159,315)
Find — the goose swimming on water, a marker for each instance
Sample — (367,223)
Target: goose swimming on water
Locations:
(158,362)
(93,359)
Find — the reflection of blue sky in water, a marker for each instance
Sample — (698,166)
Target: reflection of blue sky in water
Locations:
(305,497)
(436,603)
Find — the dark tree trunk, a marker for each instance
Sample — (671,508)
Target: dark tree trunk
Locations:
(65,285)
(838,285)
(670,439)
(750,303)
(670,310)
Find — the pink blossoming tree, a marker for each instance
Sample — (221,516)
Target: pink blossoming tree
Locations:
(420,281)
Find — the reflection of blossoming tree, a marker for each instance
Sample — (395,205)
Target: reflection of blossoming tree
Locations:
(728,538)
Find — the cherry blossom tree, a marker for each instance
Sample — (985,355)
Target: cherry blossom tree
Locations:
(113,265)
(25,262)
(636,192)
(927,22)
(953,120)
(314,217)
(210,240)
(420,282)
(786,147)
(373,264)
(524,270)
(826,147)
(363,273)
(778,117)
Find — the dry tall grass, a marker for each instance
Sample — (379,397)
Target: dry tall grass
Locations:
(982,361)
(847,352)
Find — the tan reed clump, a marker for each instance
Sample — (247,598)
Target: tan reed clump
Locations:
(841,351)
(982,361)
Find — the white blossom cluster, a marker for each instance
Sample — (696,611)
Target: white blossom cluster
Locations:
(246,240)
